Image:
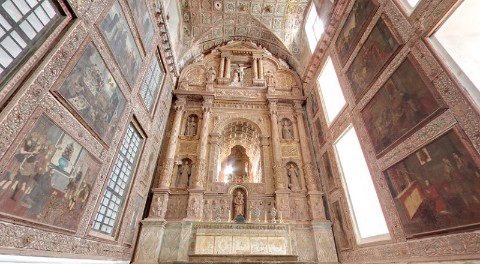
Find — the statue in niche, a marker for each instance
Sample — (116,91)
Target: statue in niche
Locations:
(212,74)
(191,128)
(157,207)
(293,177)
(270,78)
(239,204)
(239,73)
(287,129)
(185,171)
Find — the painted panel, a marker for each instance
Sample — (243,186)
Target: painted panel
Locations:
(361,13)
(49,179)
(143,21)
(134,219)
(339,227)
(437,188)
(374,54)
(402,103)
(93,93)
(116,31)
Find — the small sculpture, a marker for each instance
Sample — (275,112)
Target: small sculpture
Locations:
(239,204)
(273,213)
(270,78)
(292,174)
(191,129)
(287,130)
(212,74)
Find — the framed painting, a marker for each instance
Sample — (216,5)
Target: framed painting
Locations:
(329,177)
(134,219)
(318,127)
(339,227)
(377,50)
(361,13)
(49,179)
(143,21)
(437,188)
(403,103)
(92,93)
(116,31)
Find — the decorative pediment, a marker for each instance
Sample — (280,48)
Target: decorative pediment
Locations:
(239,47)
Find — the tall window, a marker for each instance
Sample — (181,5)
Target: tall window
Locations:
(362,197)
(331,92)
(151,84)
(313,28)
(457,41)
(22,23)
(118,183)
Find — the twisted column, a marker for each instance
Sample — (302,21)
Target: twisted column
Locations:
(306,158)
(277,157)
(202,155)
(166,173)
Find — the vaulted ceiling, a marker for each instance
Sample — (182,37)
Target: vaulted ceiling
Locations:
(273,24)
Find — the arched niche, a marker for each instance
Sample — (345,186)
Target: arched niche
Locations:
(286,129)
(191,125)
(183,173)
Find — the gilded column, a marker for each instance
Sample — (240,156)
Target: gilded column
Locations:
(222,67)
(277,156)
(202,155)
(307,161)
(166,173)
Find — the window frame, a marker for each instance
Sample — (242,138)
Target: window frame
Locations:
(93,233)
(30,61)
(161,84)
(309,29)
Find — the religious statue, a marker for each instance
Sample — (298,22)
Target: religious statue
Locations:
(157,207)
(185,172)
(239,204)
(287,131)
(239,73)
(212,74)
(270,78)
(292,174)
(191,129)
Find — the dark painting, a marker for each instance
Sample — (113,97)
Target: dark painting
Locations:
(320,136)
(339,227)
(49,179)
(93,93)
(437,188)
(328,171)
(374,54)
(402,103)
(362,12)
(115,29)
(142,20)
(134,219)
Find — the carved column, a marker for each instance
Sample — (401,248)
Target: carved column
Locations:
(202,154)
(277,155)
(227,68)
(260,68)
(255,69)
(166,173)
(222,67)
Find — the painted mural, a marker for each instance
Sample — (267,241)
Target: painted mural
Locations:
(402,103)
(93,93)
(328,171)
(49,179)
(143,21)
(361,13)
(134,219)
(115,29)
(320,136)
(374,54)
(341,238)
(437,188)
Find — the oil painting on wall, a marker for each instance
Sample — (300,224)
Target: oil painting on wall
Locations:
(341,238)
(437,188)
(320,136)
(401,104)
(49,179)
(142,20)
(362,12)
(134,220)
(93,93)
(374,54)
(116,31)
(328,171)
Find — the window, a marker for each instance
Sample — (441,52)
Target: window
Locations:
(313,28)
(22,23)
(331,92)
(362,197)
(409,4)
(118,183)
(151,84)
(457,42)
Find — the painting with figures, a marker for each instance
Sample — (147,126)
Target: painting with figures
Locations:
(361,13)
(93,93)
(142,20)
(49,179)
(401,104)
(339,227)
(330,179)
(377,50)
(115,29)
(437,188)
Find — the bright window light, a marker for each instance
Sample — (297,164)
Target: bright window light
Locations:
(228,169)
(410,4)
(362,197)
(457,41)
(331,92)
(313,28)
